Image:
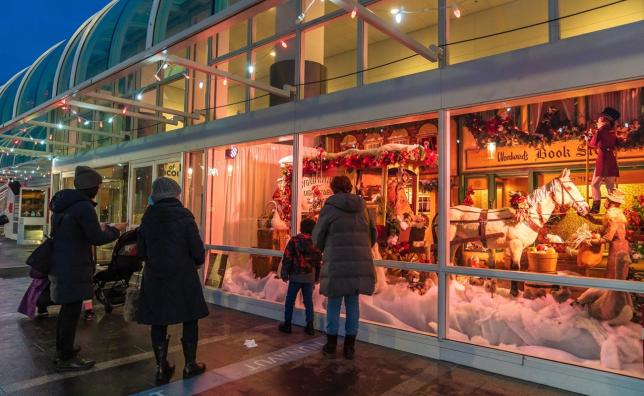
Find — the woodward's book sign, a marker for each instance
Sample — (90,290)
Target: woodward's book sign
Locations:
(563,153)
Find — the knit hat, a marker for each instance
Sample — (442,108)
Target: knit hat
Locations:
(163,188)
(86,178)
(616,196)
(611,113)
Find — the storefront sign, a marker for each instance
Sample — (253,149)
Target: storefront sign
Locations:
(171,170)
(311,184)
(562,153)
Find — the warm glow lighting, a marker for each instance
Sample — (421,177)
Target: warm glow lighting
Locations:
(225,81)
(508,109)
(394,11)
(283,44)
(272,53)
(74,112)
(100,124)
(491,150)
(190,172)
(353,13)
(456,11)
(165,66)
(200,84)
(80,120)
(229,168)
(251,69)
(156,77)
(124,111)
(139,96)
(398,18)
(187,76)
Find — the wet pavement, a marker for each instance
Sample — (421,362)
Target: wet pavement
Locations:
(280,364)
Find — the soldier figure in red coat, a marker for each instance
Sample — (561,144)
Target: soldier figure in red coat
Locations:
(605,142)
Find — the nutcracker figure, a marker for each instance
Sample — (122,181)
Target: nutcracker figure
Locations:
(604,140)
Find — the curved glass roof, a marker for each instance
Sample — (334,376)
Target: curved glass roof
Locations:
(174,16)
(37,86)
(66,64)
(8,96)
(119,34)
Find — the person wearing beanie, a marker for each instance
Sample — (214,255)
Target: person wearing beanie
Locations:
(76,230)
(605,142)
(171,291)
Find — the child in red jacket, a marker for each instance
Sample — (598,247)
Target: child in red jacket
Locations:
(301,268)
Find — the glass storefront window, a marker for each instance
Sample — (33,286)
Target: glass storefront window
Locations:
(330,52)
(173,96)
(480,19)
(274,21)
(230,96)
(394,168)
(231,39)
(111,203)
(313,9)
(421,23)
(171,169)
(273,64)
(605,14)
(249,194)
(194,184)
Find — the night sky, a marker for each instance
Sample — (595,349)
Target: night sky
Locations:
(29,27)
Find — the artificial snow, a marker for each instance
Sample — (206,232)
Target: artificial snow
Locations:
(540,327)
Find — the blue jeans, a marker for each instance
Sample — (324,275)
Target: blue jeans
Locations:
(291,294)
(352,309)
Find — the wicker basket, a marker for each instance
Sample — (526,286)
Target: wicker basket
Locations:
(543,262)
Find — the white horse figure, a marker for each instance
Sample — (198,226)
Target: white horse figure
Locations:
(507,232)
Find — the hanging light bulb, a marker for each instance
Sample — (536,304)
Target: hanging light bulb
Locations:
(491,150)
(186,76)
(225,81)
(397,13)
(124,111)
(353,13)
(139,96)
(200,84)
(156,77)
(100,124)
(398,18)
(60,125)
(456,11)
(165,66)
(272,53)
(86,122)
(283,44)
(80,120)
(110,120)
(251,69)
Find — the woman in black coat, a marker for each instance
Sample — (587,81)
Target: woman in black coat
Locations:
(76,228)
(171,290)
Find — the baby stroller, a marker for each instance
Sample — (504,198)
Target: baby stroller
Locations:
(110,285)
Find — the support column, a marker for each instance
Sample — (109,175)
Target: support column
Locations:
(553,26)
(443,32)
(443,197)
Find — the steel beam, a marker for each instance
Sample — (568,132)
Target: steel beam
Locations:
(112,110)
(175,60)
(47,141)
(431,54)
(28,153)
(134,103)
(75,129)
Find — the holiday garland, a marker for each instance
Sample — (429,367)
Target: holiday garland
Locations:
(502,131)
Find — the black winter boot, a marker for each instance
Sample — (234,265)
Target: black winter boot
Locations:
(309,329)
(328,349)
(164,368)
(595,208)
(193,367)
(285,327)
(349,346)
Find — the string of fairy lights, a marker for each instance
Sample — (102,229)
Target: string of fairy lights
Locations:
(11,147)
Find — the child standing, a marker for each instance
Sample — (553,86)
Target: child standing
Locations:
(301,268)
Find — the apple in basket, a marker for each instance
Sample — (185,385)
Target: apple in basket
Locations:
(542,247)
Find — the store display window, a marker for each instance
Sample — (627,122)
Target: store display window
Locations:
(553,187)
(32,203)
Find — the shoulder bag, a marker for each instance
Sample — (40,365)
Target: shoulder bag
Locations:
(40,258)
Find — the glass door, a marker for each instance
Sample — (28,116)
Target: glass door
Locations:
(142,176)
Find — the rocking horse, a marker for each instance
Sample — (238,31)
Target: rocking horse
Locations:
(502,229)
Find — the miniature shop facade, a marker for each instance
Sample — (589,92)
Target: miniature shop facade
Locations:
(395,165)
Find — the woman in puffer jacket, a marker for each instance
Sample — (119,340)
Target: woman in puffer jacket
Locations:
(345,234)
